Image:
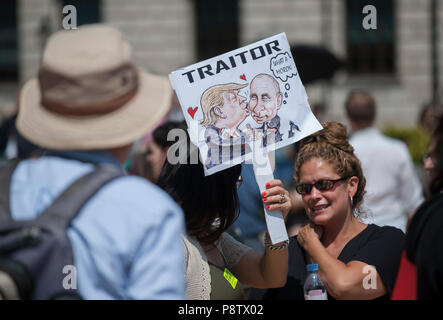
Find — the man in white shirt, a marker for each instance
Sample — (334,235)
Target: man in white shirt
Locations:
(393,189)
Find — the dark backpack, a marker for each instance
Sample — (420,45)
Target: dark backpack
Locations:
(35,255)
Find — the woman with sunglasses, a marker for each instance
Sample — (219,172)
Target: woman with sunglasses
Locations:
(210,205)
(355,260)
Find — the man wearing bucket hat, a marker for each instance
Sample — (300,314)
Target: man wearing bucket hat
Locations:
(87,106)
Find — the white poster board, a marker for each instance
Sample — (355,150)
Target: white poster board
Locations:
(251,97)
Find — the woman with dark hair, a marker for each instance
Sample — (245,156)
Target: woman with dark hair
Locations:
(355,260)
(421,270)
(210,205)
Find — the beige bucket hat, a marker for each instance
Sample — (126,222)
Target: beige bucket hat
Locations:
(89,94)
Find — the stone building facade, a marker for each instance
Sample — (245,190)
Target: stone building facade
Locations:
(166,34)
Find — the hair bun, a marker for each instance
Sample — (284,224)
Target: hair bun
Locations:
(333,133)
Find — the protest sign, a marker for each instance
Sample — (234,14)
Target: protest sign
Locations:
(251,97)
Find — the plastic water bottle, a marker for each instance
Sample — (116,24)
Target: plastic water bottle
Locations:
(314,288)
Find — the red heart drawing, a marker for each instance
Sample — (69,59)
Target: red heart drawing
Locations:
(243,77)
(192,111)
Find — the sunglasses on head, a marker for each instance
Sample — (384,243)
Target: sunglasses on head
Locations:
(321,185)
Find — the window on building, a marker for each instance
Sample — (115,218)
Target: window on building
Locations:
(8,41)
(217,27)
(370,51)
(87,11)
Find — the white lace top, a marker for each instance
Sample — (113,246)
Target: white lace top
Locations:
(198,278)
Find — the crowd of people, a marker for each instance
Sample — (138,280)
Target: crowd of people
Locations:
(164,230)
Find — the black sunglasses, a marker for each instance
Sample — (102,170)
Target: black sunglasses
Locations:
(321,185)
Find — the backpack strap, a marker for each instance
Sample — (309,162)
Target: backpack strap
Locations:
(5,181)
(65,208)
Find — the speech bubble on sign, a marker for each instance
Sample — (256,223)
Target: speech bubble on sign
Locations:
(283,67)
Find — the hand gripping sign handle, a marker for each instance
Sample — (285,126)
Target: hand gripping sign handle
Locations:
(263,174)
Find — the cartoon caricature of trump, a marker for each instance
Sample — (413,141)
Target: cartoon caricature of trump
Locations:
(265,101)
